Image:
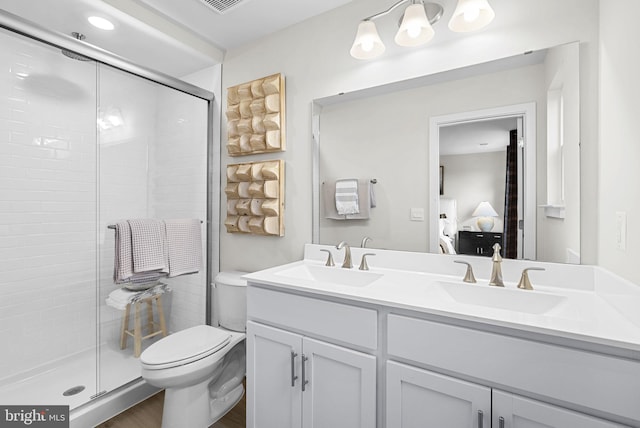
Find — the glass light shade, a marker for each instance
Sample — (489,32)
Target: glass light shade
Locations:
(415,29)
(367,44)
(471,15)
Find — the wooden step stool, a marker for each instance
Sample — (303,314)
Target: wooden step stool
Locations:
(151,326)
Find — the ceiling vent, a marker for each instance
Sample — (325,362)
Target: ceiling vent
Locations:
(222,6)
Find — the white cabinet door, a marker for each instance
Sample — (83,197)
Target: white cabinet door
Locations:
(513,411)
(274,397)
(418,398)
(341,388)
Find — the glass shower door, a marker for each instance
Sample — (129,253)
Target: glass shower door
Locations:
(153,164)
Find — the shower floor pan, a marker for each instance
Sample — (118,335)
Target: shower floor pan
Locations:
(48,387)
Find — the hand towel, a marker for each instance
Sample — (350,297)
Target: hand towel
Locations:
(123,260)
(328,204)
(347,196)
(184,245)
(148,245)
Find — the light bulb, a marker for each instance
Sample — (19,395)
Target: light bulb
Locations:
(471,14)
(367,45)
(413,30)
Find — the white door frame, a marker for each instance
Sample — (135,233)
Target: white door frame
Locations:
(528,112)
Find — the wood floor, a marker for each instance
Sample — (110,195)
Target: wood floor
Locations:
(148,414)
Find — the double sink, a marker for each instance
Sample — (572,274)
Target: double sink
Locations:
(480,294)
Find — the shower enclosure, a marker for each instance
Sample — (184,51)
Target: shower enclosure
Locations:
(84,144)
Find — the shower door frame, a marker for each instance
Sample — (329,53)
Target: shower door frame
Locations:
(135,391)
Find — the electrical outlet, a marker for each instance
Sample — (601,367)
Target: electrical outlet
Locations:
(621,230)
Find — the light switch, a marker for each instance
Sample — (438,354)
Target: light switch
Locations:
(417,214)
(621,230)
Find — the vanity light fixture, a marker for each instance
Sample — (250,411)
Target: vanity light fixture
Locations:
(416,25)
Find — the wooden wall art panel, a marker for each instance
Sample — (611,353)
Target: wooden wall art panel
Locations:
(255,116)
(255,198)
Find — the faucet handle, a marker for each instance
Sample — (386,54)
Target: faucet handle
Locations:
(468,276)
(329,258)
(363,263)
(496,253)
(524,283)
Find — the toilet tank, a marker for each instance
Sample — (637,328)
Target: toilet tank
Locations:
(231,300)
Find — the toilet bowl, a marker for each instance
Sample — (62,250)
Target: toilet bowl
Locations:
(201,368)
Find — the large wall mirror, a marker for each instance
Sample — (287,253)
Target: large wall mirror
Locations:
(456,161)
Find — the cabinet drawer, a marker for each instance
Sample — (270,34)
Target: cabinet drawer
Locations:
(344,323)
(604,383)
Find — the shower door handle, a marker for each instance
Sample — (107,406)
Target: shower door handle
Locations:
(293,369)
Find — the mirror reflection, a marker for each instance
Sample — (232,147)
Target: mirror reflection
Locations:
(400,135)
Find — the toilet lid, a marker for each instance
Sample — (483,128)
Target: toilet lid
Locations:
(185,346)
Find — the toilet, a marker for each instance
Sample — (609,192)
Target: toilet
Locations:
(201,368)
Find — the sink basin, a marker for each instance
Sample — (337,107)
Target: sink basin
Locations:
(336,275)
(531,302)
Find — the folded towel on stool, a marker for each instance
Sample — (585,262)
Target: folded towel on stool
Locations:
(120,298)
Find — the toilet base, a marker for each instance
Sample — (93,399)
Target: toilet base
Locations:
(186,407)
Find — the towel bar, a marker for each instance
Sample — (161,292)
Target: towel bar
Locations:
(113,226)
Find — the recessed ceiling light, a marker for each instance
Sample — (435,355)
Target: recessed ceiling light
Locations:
(101,23)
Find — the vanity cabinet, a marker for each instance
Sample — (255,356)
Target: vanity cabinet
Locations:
(295,380)
(419,398)
(478,243)
(605,384)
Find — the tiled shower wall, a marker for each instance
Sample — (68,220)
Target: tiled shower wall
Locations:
(47,205)
(61,184)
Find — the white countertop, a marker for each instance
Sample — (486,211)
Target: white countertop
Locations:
(595,307)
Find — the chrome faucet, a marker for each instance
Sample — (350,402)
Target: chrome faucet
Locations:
(366,239)
(496,270)
(347,254)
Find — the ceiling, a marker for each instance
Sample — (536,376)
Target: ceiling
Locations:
(173,37)
(476,137)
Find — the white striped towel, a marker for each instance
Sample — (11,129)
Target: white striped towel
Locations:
(184,244)
(148,245)
(347,196)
